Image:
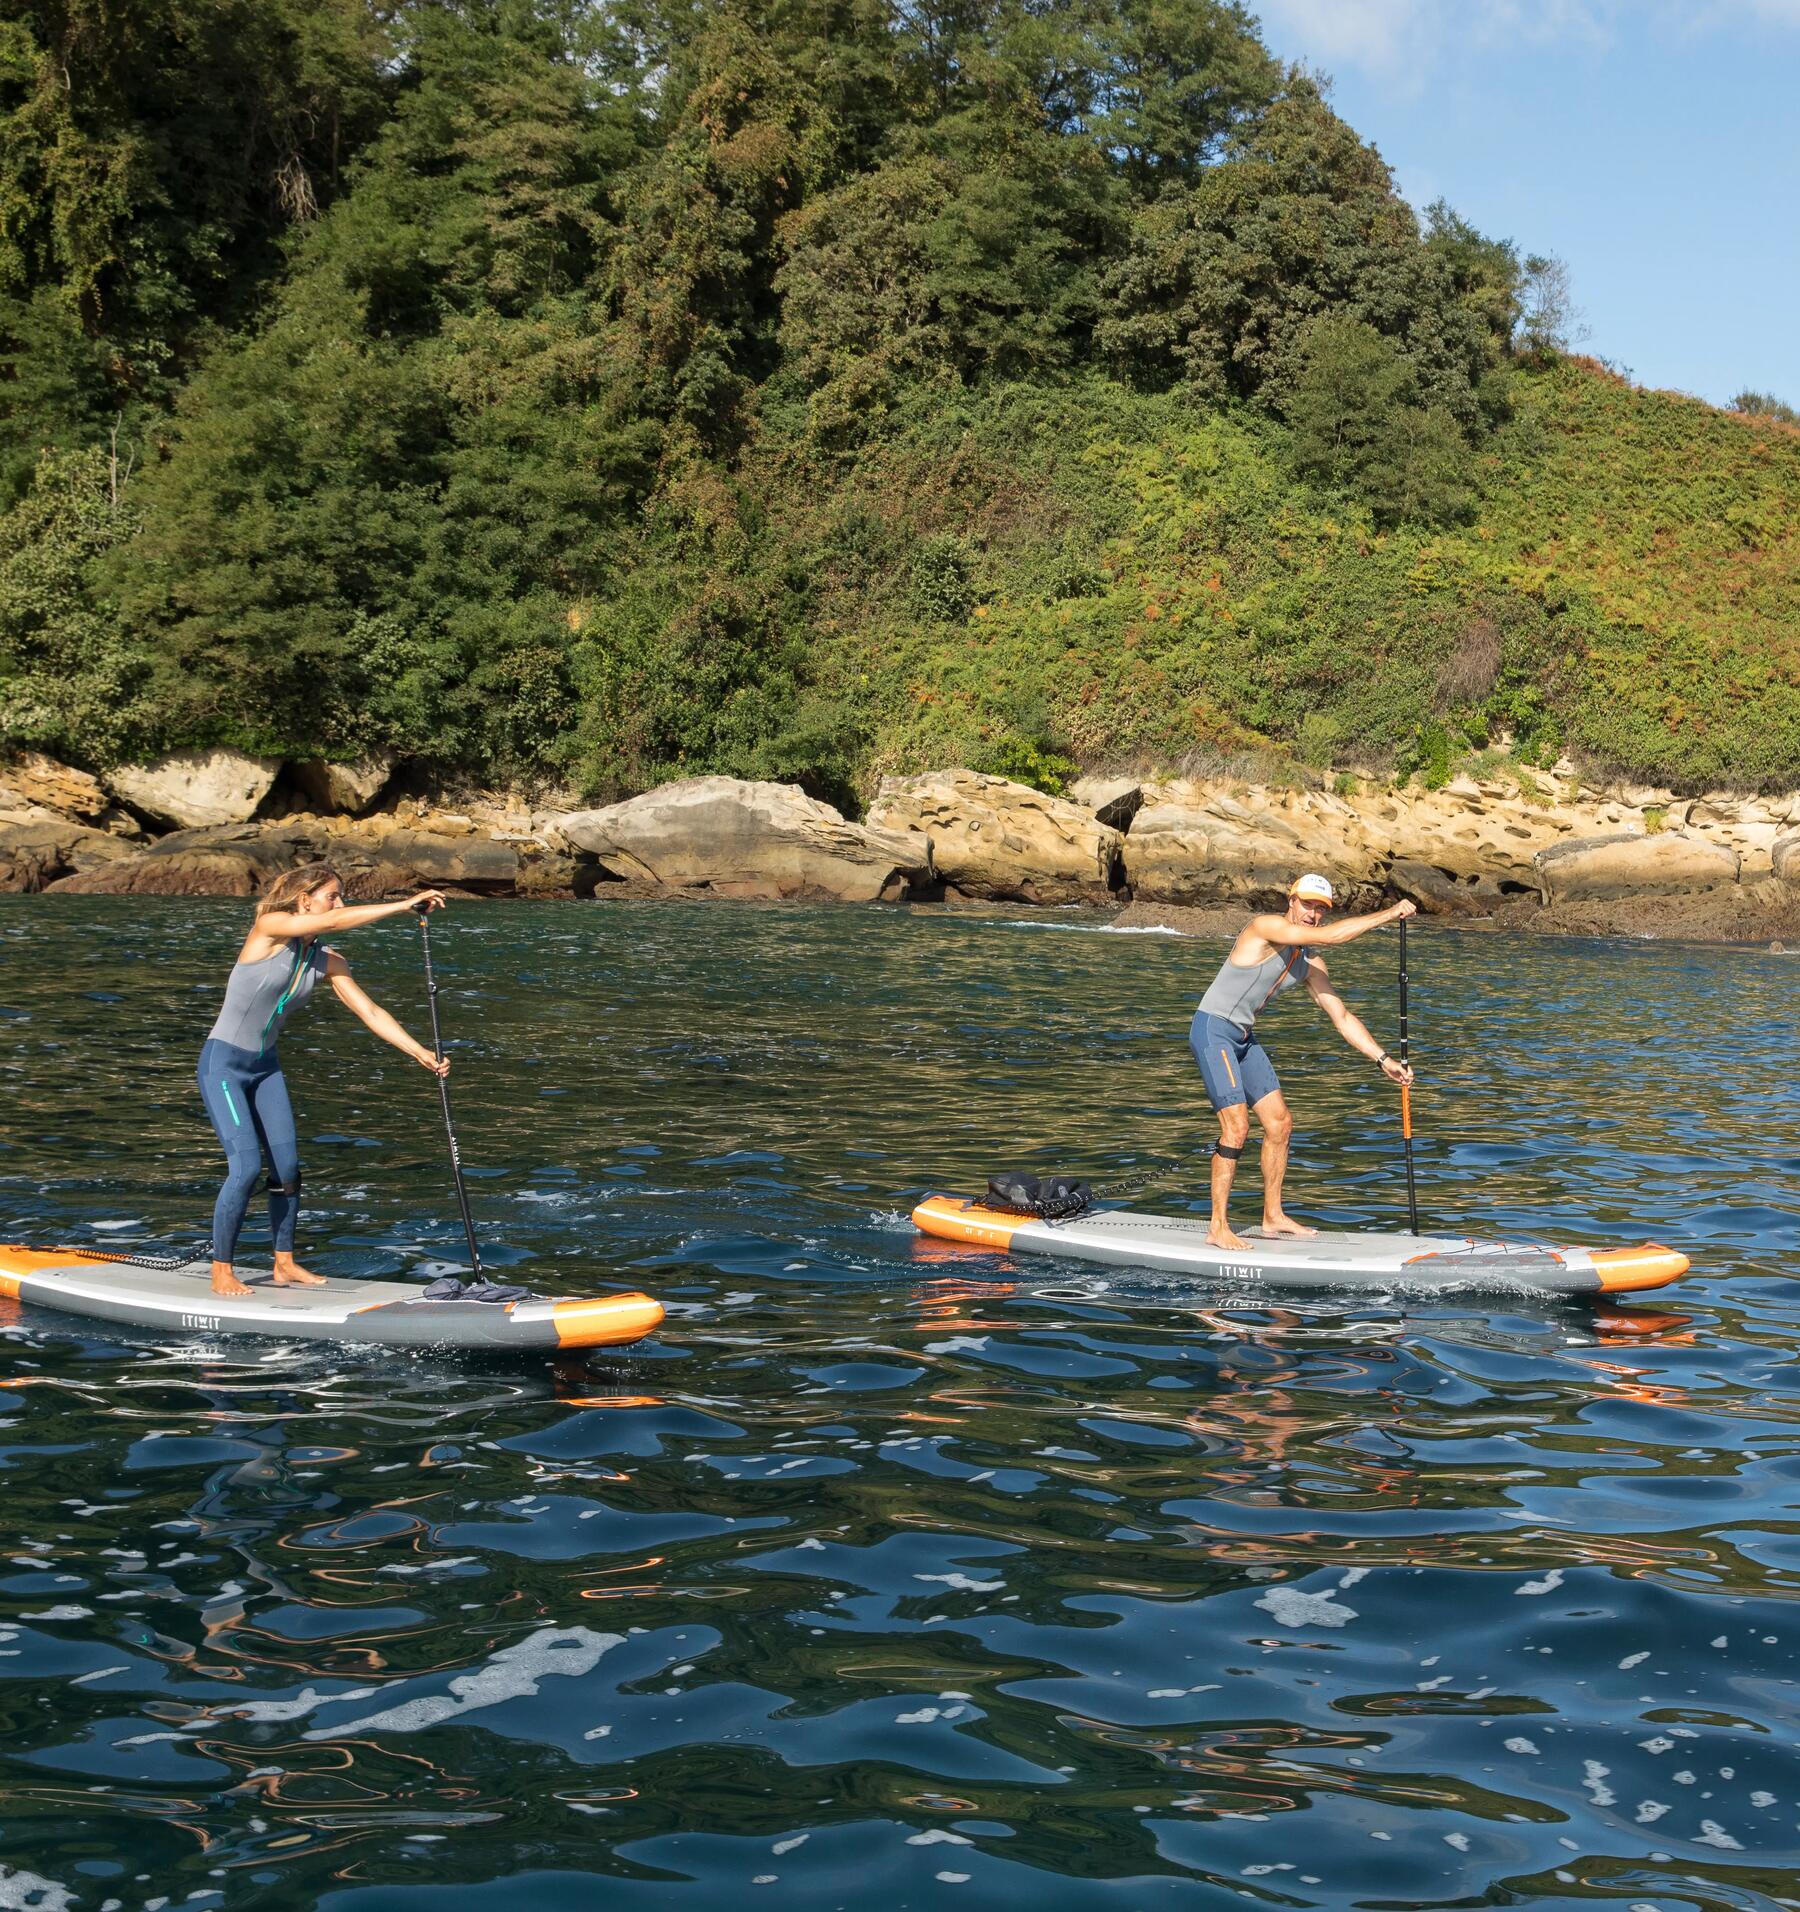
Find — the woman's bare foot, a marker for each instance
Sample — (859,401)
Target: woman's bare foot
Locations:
(1223,1237)
(289,1274)
(225,1283)
(1282,1223)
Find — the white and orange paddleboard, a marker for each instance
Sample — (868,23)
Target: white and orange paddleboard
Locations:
(1178,1244)
(178,1296)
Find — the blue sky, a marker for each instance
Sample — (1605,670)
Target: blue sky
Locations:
(1654,145)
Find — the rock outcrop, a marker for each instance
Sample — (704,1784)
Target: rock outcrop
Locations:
(1215,848)
(35,855)
(1002,841)
(1518,849)
(1592,869)
(748,839)
(33,786)
(179,873)
(1439,893)
(1113,800)
(243,859)
(193,788)
(344,789)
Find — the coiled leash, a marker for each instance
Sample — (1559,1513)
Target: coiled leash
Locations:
(1049,1198)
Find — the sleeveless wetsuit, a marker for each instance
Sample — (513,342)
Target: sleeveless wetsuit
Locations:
(241,1084)
(1235,1066)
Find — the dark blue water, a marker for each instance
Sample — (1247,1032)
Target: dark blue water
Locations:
(890,1577)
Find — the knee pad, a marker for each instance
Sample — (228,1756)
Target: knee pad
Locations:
(1225,1149)
(290,1187)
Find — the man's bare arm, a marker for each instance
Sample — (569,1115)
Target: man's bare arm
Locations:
(1350,1026)
(1286,935)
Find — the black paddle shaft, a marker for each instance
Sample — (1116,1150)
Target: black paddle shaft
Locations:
(1412,1192)
(437,1049)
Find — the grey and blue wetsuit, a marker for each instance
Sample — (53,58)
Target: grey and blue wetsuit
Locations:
(1234,1064)
(241,1084)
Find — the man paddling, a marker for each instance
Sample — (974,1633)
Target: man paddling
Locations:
(1272,953)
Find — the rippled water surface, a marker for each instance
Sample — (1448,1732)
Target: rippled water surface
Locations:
(884,1576)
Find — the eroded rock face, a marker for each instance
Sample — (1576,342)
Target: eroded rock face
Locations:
(1670,862)
(33,782)
(345,789)
(1113,800)
(1219,849)
(1003,841)
(1785,858)
(193,788)
(748,839)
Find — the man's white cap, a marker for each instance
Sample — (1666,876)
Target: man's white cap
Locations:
(1311,889)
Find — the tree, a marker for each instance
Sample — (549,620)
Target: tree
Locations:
(1221,276)
(1549,322)
(70,681)
(1352,401)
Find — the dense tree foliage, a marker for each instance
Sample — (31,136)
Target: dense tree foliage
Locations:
(555,388)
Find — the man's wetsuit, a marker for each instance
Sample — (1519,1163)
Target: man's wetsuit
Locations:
(245,1095)
(1234,1064)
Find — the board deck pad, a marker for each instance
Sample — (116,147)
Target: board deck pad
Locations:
(1327,1260)
(373,1313)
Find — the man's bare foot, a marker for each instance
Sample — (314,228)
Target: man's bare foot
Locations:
(225,1283)
(1285,1225)
(1223,1237)
(289,1274)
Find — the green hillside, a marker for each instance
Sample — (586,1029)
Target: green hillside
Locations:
(1124,580)
(812,388)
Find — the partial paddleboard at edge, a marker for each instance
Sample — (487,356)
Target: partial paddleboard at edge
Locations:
(391,1314)
(1177,1244)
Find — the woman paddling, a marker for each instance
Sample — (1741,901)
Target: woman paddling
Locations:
(240,1073)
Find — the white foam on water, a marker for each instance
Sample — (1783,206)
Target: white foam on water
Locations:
(1292,1608)
(1092,929)
(22,1891)
(308,1701)
(513,1673)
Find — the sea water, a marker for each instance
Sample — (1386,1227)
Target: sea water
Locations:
(889,1574)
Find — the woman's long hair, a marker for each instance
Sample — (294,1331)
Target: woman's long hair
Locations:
(291,885)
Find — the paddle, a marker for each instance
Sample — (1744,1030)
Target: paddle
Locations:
(437,1048)
(1412,1193)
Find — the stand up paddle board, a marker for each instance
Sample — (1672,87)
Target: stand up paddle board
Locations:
(392,1314)
(1178,1243)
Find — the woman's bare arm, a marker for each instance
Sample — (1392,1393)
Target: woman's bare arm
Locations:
(376,1019)
(270,931)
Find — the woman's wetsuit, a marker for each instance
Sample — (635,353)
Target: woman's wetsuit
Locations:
(241,1084)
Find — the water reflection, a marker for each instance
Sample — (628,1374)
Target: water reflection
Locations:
(886,1574)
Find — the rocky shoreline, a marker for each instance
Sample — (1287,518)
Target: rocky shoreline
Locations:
(1514,850)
